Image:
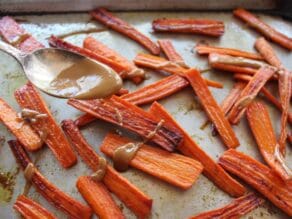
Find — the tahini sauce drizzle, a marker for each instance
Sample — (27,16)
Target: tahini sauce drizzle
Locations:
(99,174)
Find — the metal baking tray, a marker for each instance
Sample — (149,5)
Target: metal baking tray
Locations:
(169,202)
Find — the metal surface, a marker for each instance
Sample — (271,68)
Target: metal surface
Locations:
(169,202)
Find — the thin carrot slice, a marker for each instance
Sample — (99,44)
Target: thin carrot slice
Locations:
(174,25)
(250,92)
(170,52)
(134,199)
(263,28)
(260,177)
(120,112)
(21,129)
(29,209)
(108,19)
(191,149)
(50,192)
(99,199)
(172,168)
(236,209)
(29,98)
(212,109)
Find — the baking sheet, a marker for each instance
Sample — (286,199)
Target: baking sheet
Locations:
(169,202)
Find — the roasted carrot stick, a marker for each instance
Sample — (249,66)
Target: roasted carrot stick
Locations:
(120,112)
(260,177)
(236,209)
(170,52)
(172,168)
(191,149)
(29,209)
(50,192)
(108,19)
(29,98)
(212,109)
(174,25)
(131,71)
(21,129)
(134,199)
(263,28)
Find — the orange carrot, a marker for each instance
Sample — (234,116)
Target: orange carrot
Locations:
(29,98)
(191,149)
(212,109)
(170,52)
(263,28)
(260,177)
(108,19)
(236,209)
(50,192)
(174,25)
(29,209)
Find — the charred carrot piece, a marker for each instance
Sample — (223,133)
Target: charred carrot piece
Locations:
(172,168)
(269,32)
(191,149)
(236,209)
(29,98)
(115,23)
(29,209)
(212,109)
(120,112)
(130,71)
(50,192)
(174,25)
(19,128)
(170,52)
(260,177)
(250,92)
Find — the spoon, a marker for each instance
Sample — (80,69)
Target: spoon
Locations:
(65,74)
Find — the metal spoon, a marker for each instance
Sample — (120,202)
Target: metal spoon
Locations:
(66,74)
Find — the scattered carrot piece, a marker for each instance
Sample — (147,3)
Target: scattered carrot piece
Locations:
(170,52)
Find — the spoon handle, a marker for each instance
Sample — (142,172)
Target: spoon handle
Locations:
(5,47)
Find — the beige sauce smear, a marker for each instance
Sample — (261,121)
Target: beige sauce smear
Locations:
(101,170)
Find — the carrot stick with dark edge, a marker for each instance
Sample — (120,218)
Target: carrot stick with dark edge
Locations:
(236,209)
(115,23)
(28,97)
(268,31)
(260,177)
(133,198)
(189,148)
(212,109)
(29,209)
(50,192)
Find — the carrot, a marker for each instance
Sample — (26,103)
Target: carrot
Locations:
(133,198)
(29,209)
(250,92)
(290,138)
(212,109)
(175,25)
(21,129)
(130,70)
(172,168)
(50,192)
(260,177)
(29,98)
(122,113)
(170,52)
(236,209)
(115,23)
(263,28)
(191,149)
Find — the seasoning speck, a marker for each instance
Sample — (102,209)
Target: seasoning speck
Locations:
(7,182)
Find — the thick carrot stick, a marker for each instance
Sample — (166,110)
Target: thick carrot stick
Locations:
(122,113)
(170,52)
(115,23)
(260,177)
(212,109)
(263,28)
(29,98)
(20,128)
(29,209)
(191,149)
(174,25)
(133,198)
(236,209)
(50,192)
